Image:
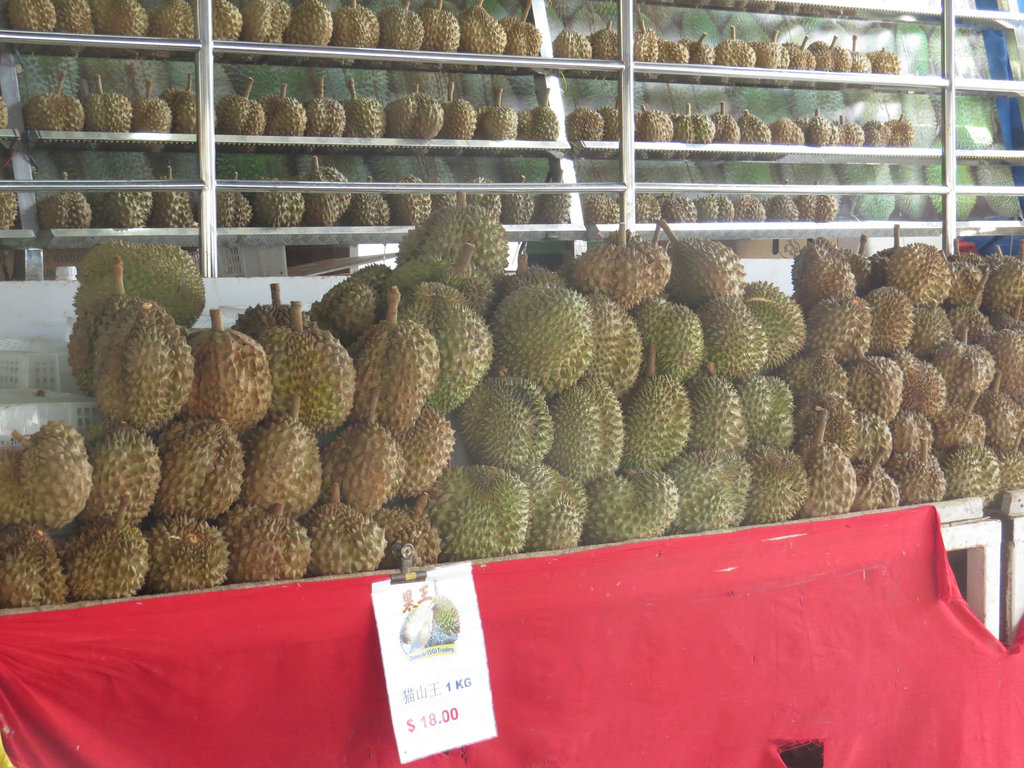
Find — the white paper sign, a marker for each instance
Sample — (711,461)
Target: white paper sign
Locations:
(435,662)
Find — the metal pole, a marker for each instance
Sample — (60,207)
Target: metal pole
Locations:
(949,125)
(626,111)
(207,142)
(20,164)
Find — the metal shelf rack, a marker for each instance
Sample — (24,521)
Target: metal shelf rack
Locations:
(547,70)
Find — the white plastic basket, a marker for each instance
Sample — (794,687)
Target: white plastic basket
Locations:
(26,410)
(31,364)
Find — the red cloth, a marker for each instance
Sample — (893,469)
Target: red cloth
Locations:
(701,651)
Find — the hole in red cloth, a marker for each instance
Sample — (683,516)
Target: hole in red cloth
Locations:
(803,754)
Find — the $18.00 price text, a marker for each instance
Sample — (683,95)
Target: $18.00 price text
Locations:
(433,719)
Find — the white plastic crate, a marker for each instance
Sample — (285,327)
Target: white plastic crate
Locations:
(25,410)
(31,364)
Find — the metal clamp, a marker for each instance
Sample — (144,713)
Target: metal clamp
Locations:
(405,552)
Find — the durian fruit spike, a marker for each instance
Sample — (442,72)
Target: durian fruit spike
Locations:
(232,377)
(107,561)
(832,480)
(87,326)
(109,112)
(54,111)
(400,361)
(151,115)
(172,209)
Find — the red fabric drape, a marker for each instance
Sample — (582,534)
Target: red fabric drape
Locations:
(701,651)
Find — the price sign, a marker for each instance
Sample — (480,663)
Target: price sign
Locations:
(435,662)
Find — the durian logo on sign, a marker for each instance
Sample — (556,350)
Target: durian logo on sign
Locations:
(431,624)
(435,662)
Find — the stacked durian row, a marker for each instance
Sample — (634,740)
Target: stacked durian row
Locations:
(413,116)
(603,209)
(653,125)
(648,45)
(433,28)
(172,18)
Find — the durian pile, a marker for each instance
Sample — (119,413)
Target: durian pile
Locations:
(648,45)
(636,392)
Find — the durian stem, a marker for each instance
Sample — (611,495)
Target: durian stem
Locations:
(460,197)
(622,234)
(712,369)
(853,48)
(277,510)
(440,5)
(524,263)
(1018,308)
(149,90)
(351,86)
(60,82)
(320,85)
(99,84)
(118,267)
(817,113)
(981,290)
(316,164)
(275,294)
(701,39)
(374,402)
(999,252)
(652,352)
(973,401)
(996,381)
(732,33)
(842,120)
(609,26)
(923,451)
(188,83)
(216,320)
(248,88)
(526,11)
(122,511)
(296,407)
(497,97)
(895,235)
(721,107)
(451,90)
(296,307)
(863,245)
(336,493)
(394,297)
(775,37)
(170,173)
(807,39)
(407,3)
(668,231)
(964,334)
(689,111)
(284,90)
(421,504)
(464,263)
(835,39)
(819,432)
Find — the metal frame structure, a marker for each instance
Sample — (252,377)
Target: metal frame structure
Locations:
(205,51)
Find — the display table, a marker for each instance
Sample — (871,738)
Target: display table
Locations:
(708,650)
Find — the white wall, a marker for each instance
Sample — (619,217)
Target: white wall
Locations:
(44,310)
